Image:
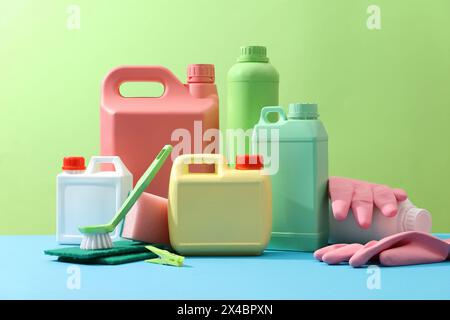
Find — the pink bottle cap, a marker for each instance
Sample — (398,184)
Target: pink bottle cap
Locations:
(201,73)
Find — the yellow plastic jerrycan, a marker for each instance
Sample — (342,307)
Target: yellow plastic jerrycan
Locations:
(227,212)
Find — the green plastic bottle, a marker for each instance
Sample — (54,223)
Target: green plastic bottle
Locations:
(252,83)
(299,171)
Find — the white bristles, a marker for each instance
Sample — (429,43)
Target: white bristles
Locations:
(96,241)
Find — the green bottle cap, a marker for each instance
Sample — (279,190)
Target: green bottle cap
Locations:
(253,54)
(303,111)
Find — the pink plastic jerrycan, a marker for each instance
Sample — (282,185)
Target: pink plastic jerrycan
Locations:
(135,128)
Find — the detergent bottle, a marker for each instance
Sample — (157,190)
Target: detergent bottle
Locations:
(408,218)
(298,164)
(136,127)
(252,83)
(89,196)
(225,212)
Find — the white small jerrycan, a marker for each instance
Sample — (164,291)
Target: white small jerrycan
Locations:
(89,196)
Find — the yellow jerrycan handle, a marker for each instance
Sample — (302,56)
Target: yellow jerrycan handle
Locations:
(182,162)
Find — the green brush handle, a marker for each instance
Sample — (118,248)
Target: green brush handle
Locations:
(129,202)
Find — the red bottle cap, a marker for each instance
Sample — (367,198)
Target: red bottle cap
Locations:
(249,162)
(201,73)
(73,163)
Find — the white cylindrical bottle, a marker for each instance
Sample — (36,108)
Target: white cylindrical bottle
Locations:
(408,218)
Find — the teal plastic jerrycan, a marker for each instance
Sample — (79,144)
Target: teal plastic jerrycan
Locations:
(296,147)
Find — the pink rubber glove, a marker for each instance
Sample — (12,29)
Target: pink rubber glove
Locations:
(406,248)
(361,196)
(338,253)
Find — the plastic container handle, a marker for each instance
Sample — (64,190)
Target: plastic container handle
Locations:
(182,162)
(112,82)
(268,110)
(115,160)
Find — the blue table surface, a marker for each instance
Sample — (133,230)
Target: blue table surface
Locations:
(26,273)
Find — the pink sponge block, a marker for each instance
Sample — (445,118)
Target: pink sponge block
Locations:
(147,220)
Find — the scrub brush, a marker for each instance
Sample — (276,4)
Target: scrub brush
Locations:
(97,237)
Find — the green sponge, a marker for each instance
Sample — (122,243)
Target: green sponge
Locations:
(119,247)
(113,260)
(121,252)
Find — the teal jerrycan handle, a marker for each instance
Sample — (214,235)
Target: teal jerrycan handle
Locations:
(134,195)
(273,109)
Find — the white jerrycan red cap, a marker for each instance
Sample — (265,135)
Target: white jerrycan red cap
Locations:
(73,164)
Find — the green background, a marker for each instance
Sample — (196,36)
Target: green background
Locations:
(384,95)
